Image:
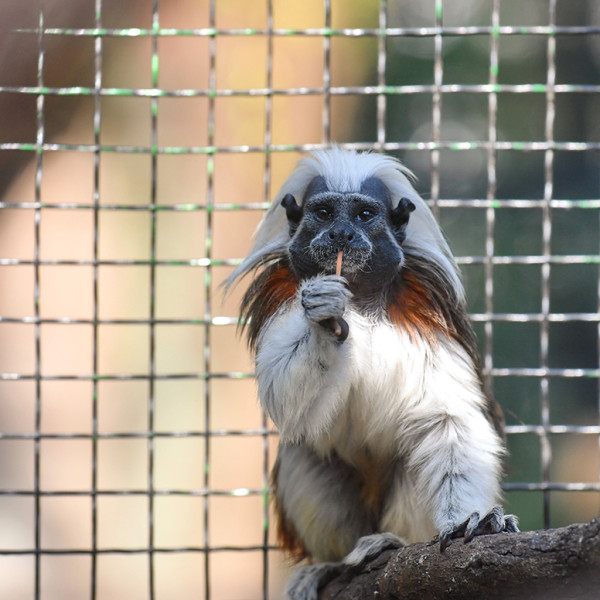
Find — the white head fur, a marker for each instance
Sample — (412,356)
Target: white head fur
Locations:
(344,171)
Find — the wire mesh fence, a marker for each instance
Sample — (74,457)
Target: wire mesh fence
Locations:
(139,145)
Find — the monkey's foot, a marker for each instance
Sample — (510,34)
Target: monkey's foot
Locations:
(370,546)
(306,581)
(494,522)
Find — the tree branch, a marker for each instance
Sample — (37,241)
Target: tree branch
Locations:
(550,565)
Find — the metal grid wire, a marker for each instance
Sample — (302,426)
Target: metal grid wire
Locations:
(26,560)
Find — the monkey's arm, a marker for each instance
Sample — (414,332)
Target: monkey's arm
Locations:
(301,365)
(454,453)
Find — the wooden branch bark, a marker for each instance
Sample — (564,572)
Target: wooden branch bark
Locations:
(550,565)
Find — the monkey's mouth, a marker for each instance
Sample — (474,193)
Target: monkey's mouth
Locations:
(354,260)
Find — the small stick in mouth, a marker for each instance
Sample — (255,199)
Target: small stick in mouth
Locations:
(337,328)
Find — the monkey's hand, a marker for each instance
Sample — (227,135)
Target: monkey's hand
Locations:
(324,300)
(494,522)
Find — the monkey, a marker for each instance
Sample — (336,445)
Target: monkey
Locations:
(372,376)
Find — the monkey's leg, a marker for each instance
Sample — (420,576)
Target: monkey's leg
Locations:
(318,501)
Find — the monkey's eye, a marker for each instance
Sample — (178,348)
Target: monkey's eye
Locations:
(323,214)
(365,215)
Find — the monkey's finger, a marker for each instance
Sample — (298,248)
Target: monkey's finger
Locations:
(494,522)
(445,538)
(511,524)
(466,529)
(471,527)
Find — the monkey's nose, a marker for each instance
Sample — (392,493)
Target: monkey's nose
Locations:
(341,235)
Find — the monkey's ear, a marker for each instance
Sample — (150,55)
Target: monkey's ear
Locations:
(399,216)
(293,212)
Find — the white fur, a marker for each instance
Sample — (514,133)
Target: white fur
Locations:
(415,403)
(345,171)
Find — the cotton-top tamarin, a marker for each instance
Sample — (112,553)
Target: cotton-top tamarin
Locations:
(371,376)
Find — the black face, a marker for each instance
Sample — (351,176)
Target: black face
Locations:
(363,225)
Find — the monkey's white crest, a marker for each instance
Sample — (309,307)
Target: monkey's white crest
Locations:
(345,171)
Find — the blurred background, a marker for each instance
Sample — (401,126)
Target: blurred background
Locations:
(140,142)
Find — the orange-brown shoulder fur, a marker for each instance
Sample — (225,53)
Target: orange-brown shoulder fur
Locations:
(274,286)
(422,302)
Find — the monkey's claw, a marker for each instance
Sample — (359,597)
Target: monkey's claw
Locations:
(338,326)
(494,522)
